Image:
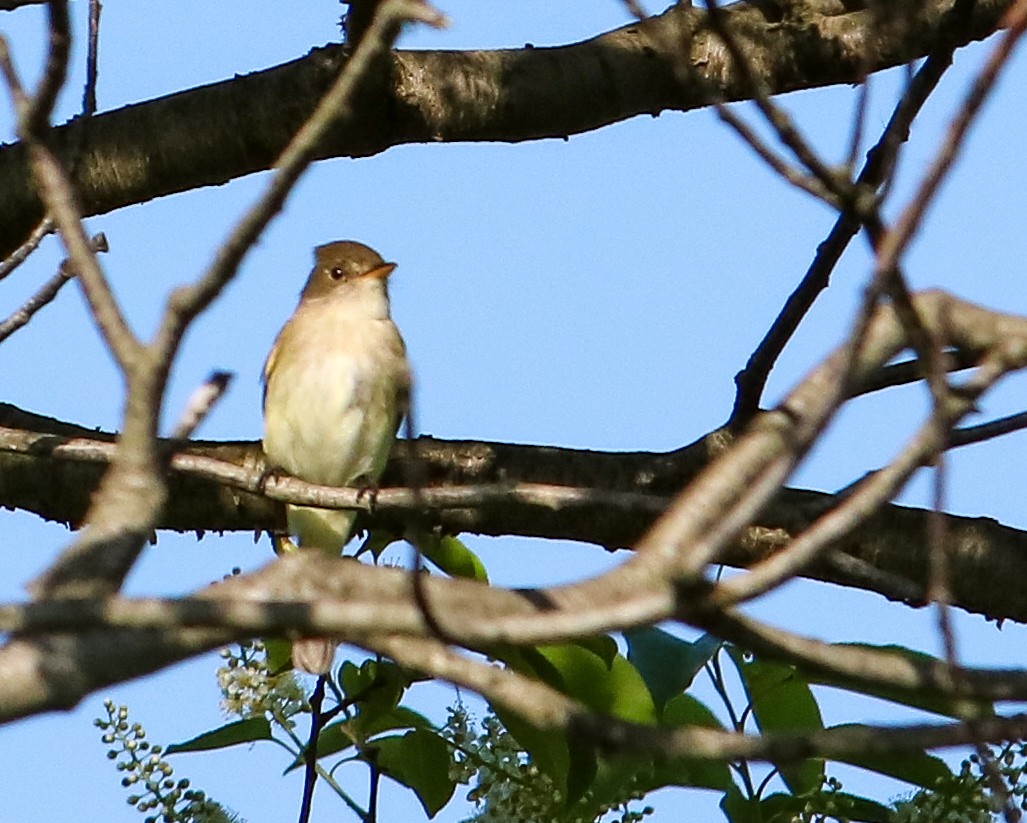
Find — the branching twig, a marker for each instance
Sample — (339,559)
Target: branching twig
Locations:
(186,303)
(45,294)
(129,500)
(836,185)
(880,163)
(856,506)
(21,254)
(57,192)
(1015,22)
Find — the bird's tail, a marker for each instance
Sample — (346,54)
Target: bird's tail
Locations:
(327,530)
(313,655)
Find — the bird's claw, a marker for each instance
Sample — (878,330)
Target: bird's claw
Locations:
(266,474)
(370,490)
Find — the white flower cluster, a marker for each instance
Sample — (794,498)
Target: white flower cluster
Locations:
(249,689)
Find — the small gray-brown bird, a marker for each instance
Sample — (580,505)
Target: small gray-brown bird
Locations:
(336,386)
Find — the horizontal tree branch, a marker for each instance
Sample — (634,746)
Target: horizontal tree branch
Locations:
(215,133)
(656,584)
(51,468)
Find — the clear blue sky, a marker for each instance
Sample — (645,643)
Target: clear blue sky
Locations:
(599,292)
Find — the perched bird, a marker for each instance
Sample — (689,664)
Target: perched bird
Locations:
(336,386)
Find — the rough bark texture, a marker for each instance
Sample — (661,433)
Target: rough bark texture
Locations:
(216,133)
(890,552)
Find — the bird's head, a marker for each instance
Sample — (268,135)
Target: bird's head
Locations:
(347,269)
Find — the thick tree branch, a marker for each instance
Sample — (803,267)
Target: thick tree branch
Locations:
(58,670)
(305,594)
(660,582)
(51,468)
(176,143)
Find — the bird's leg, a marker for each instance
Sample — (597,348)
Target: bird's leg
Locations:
(267,473)
(282,544)
(368,486)
(280,541)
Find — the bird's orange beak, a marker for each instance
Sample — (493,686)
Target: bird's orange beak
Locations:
(381,272)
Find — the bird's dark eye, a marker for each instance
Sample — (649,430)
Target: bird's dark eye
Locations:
(336,273)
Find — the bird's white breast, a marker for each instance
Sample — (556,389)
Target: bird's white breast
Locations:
(330,411)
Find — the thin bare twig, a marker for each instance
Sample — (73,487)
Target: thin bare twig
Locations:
(92,61)
(925,342)
(310,751)
(1015,22)
(45,294)
(200,403)
(186,303)
(855,507)
(840,187)
(881,161)
(939,590)
(46,225)
(859,124)
(801,180)
(21,254)
(912,371)
(35,113)
(59,196)
(968,435)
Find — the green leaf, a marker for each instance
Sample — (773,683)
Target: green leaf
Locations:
(740,809)
(609,685)
(419,760)
(781,808)
(454,558)
(616,689)
(613,688)
(376,686)
(864,809)
(279,655)
(919,768)
(547,749)
(926,699)
(785,808)
(667,664)
(602,646)
(781,700)
(587,672)
(582,771)
(685,710)
(398,718)
(344,734)
(615,778)
(232,734)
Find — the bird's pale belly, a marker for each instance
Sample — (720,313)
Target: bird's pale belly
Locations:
(330,426)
